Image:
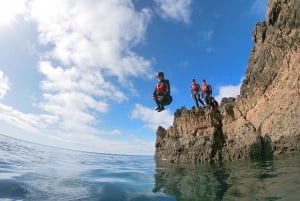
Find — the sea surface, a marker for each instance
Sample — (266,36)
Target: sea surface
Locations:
(35,172)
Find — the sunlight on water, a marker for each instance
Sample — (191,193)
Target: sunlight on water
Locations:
(34,172)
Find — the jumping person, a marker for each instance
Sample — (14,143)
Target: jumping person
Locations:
(161,93)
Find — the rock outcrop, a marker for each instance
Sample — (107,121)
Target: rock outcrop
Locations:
(264,120)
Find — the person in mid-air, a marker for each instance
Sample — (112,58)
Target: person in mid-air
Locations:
(161,93)
(195,93)
(206,93)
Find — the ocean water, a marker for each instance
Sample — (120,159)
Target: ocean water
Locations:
(35,172)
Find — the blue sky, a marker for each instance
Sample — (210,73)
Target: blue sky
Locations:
(79,74)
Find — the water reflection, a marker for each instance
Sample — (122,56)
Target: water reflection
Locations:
(243,180)
(192,183)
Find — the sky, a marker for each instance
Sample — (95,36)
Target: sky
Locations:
(79,74)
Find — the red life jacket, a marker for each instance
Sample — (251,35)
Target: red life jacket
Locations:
(161,87)
(195,87)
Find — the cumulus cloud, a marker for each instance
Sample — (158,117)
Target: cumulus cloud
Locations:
(228,91)
(9,10)
(94,34)
(179,10)
(86,65)
(92,40)
(4,84)
(151,118)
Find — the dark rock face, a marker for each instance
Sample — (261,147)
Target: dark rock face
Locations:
(190,141)
(264,120)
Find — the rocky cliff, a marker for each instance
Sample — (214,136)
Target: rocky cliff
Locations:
(264,120)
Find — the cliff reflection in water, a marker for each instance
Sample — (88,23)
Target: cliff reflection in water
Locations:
(192,183)
(246,180)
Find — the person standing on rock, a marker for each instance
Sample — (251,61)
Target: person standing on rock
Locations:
(161,93)
(206,93)
(195,93)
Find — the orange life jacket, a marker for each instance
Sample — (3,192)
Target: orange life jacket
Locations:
(205,88)
(195,87)
(161,87)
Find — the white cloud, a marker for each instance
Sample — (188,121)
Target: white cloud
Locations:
(151,118)
(228,91)
(87,66)
(179,10)
(94,34)
(4,84)
(72,94)
(36,128)
(30,122)
(9,10)
(92,40)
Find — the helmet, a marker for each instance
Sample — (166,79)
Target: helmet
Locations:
(193,80)
(160,74)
